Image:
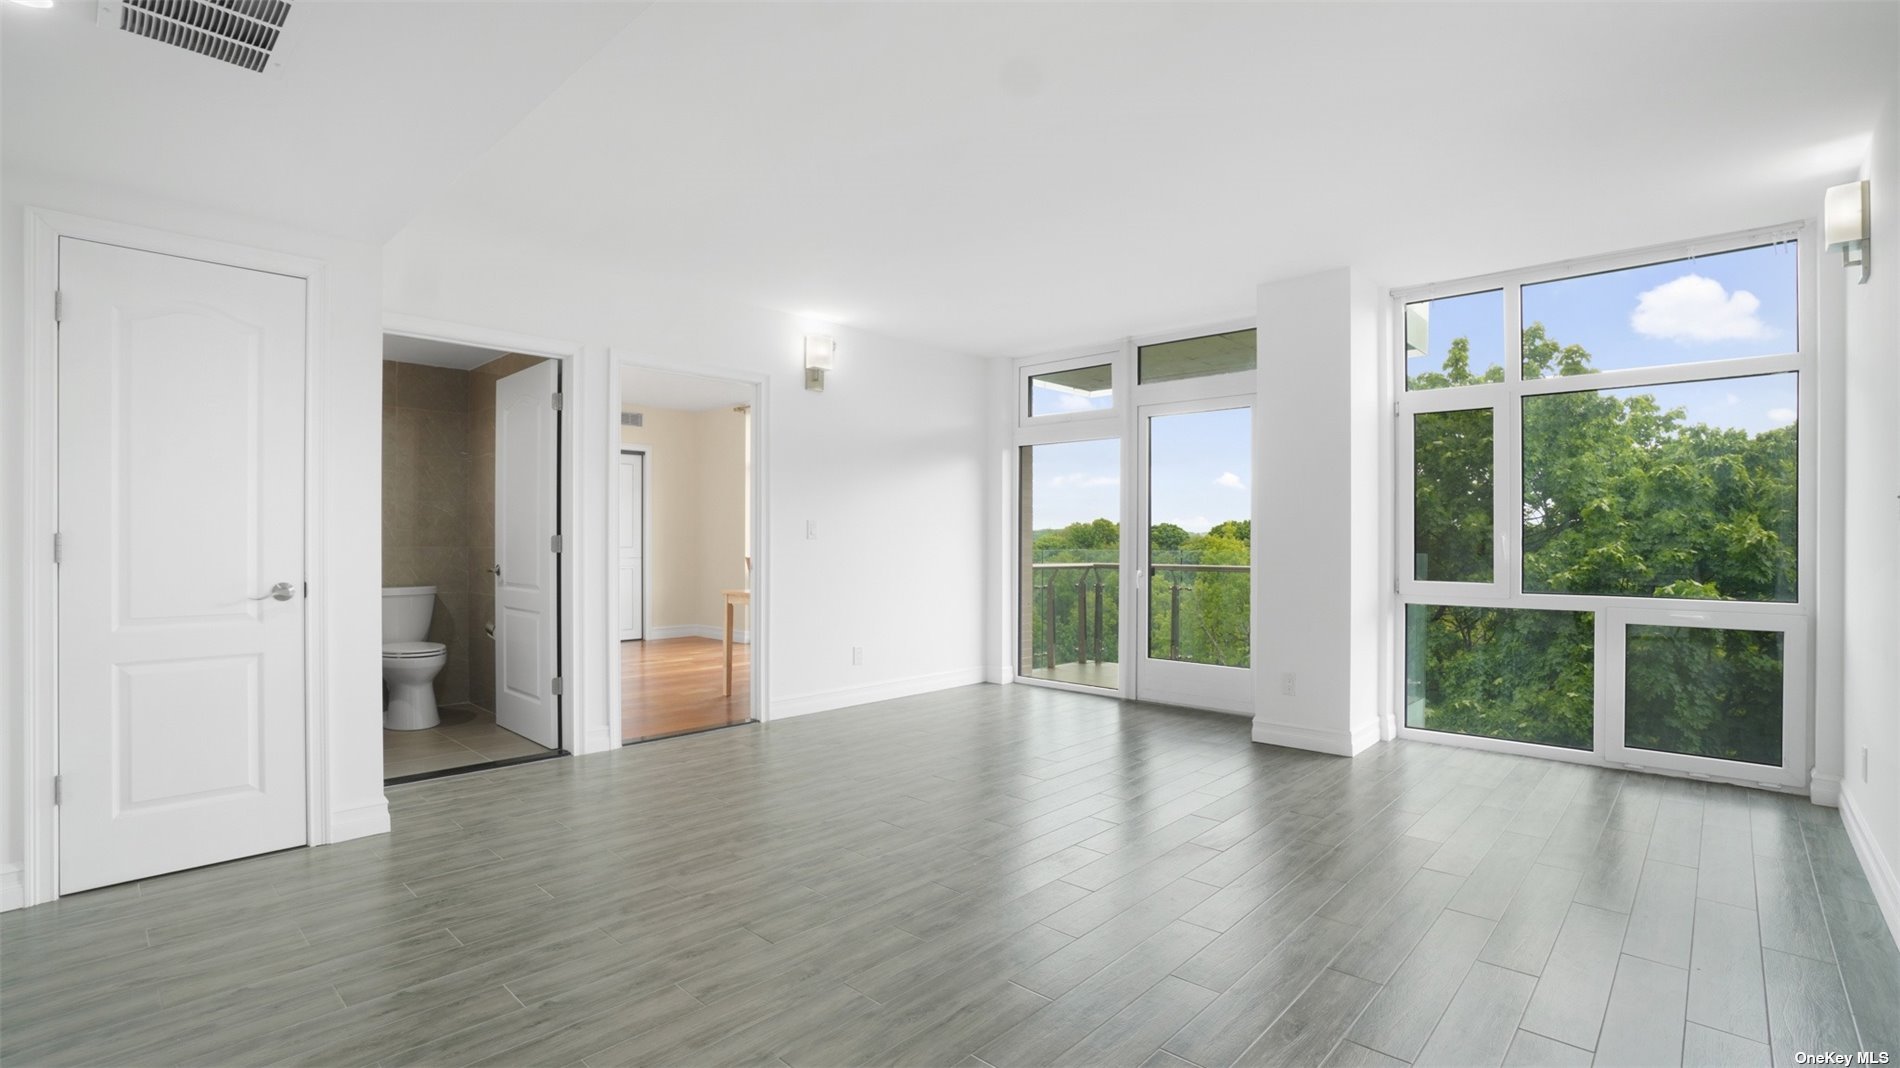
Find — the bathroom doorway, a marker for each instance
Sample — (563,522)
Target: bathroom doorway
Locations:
(686,497)
(471,570)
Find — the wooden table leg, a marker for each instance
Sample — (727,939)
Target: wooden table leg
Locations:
(728,648)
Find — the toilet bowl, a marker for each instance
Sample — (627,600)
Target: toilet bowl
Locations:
(410,664)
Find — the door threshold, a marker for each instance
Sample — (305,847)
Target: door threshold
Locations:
(688,734)
(487,765)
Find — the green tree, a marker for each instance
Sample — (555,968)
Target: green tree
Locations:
(1622,497)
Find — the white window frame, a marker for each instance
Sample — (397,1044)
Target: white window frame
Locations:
(1121,421)
(1613,613)
(1118,379)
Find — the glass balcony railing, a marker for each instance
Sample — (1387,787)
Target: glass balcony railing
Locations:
(1197,613)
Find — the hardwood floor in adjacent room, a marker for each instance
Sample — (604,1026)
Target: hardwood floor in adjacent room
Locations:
(992,876)
(673,686)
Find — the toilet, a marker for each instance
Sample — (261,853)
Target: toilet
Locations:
(410,664)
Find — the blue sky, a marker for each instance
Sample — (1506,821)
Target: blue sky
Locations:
(1739,303)
(1203,473)
(1732,304)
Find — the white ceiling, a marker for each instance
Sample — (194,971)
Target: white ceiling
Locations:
(996,178)
(641,389)
(436,353)
(378,106)
(1005,178)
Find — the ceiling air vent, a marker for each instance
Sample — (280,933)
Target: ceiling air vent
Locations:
(243,33)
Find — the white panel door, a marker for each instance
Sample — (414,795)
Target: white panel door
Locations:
(526,465)
(181,505)
(632,545)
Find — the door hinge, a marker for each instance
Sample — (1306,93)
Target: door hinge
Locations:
(557,402)
(558,685)
(55,790)
(1395,409)
(59,305)
(58,545)
(554,543)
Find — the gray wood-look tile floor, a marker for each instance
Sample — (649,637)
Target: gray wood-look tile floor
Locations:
(992,876)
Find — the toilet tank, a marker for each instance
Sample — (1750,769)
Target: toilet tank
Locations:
(406,612)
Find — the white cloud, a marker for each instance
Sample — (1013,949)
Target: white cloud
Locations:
(1230,480)
(1734,398)
(1071,402)
(1781,415)
(1697,309)
(1080,480)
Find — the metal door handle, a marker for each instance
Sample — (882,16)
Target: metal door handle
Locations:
(497,570)
(283,591)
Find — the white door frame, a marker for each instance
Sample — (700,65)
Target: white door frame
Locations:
(40,594)
(758,648)
(573,545)
(645,452)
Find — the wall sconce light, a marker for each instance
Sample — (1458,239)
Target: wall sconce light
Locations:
(821,353)
(1844,223)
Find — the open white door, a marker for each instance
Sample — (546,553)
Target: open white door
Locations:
(181,510)
(632,545)
(526,467)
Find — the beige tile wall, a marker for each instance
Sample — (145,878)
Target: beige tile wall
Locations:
(427,529)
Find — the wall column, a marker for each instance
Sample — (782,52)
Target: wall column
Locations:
(1321,588)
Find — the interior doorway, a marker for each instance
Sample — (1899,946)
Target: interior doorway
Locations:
(471,558)
(683,562)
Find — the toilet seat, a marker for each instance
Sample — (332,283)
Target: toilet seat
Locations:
(412,650)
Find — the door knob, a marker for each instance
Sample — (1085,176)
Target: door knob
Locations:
(283,591)
(496,570)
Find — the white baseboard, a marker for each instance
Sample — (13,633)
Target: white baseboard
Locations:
(1337,742)
(12,888)
(599,739)
(699,630)
(825,701)
(1825,789)
(360,822)
(1875,862)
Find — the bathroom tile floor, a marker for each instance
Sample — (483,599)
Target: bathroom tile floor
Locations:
(467,735)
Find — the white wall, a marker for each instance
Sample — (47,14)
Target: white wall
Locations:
(347,430)
(1870,787)
(887,463)
(696,486)
(1320,598)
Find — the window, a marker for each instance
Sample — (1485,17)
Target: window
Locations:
(1454,341)
(1214,354)
(1071,562)
(1452,496)
(1718,307)
(1704,691)
(1601,545)
(1684,490)
(1508,673)
(1074,390)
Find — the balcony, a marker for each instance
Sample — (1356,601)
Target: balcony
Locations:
(1198,613)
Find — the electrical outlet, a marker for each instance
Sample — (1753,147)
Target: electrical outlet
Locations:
(1286,684)
(811,530)
(1863,763)
(857,656)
